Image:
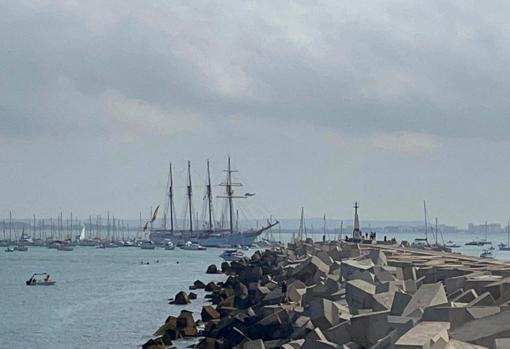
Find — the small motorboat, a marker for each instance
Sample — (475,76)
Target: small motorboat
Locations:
(169,246)
(21,248)
(192,246)
(486,254)
(10,249)
(451,244)
(232,255)
(474,243)
(40,279)
(147,245)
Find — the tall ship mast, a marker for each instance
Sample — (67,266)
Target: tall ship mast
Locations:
(209,233)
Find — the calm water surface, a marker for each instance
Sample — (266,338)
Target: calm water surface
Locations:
(104,298)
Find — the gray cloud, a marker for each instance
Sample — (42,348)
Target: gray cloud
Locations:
(387,67)
(384,92)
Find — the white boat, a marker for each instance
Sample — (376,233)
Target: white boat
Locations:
(192,246)
(170,246)
(451,244)
(486,254)
(10,249)
(232,255)
(147,245)
(38,280)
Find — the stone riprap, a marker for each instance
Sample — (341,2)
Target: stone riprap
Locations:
(350,296)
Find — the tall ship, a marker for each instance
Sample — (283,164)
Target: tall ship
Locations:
(208,232)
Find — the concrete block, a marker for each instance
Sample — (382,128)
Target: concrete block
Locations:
(367,329)
(466,296)
(502,343)
(425,335)
(339,334)
(400,302)
(324,314)
(483,299)
(378,257)
(455,344)
(318,344)
(255,344)
(350,266)
(485,330)
(427,295)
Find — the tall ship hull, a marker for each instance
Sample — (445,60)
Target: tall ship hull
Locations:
(209,238)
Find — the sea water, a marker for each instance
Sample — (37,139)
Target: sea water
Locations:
(103,298)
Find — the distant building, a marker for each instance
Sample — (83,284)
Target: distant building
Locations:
(482,228)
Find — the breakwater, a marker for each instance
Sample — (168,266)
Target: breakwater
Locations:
(344,295)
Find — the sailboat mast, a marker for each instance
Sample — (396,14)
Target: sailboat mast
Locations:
(229,194)
(190,198)
(508,234)
(301,224)
(209,195)
(485,230)
(10,226)
(140,224)
(426,226)
(171,199)
(436,231)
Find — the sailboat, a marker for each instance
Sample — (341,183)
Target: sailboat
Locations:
(480,242)
(21,245)
(506,247)
(211,235)
(82,239)
(64,245)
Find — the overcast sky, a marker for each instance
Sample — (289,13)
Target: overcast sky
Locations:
(318,103)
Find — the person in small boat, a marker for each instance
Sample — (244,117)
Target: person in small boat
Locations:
(47,278)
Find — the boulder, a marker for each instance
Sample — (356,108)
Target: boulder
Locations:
(197,285)
(212,269)
(181,298)
(209,313)
(192,295)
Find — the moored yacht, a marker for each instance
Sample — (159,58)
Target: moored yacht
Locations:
(230,255)
(193,246)
(147,245)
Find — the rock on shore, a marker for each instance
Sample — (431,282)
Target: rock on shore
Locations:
(350,296)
